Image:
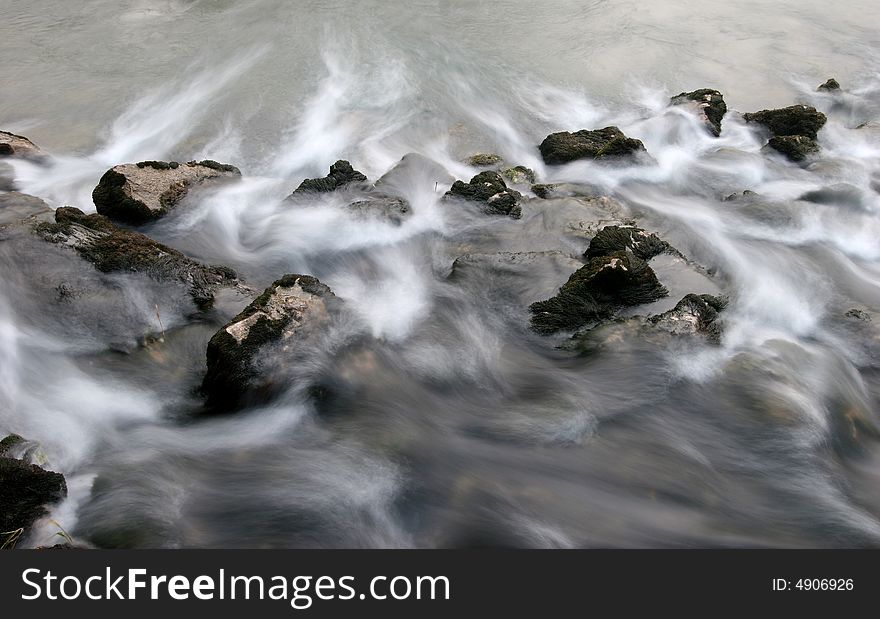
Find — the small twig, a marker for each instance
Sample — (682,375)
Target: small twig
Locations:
(61,532)
(161,326)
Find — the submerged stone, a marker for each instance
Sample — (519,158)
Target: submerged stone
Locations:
(489,189)
(136,193)
(391,209)
(484,160)
(607,143)
(710,105)
(287,311)
(113,249)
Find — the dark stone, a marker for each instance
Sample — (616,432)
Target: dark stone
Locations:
(595,291)
(795,147)
(341,174)
(8,443)
(607,143)
(710,104)
(610,239)
(543,190)
(830,86)
(489,189)
(25,490)
(748,193)
(694,314)
(139,193)
(793,120)
(113,249)
(286,311)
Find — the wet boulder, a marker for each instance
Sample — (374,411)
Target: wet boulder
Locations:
(289,310)
(595,291)
(519,175)
(341,175)
(18,207)
(695,314)
(413,170)
(27,489)
(793,129)
(644,245)
(709,104)
(490,190)
(12,145)
(113,249)
(795,147)
(607,143)
(831,85)
(137,193)
(793,120)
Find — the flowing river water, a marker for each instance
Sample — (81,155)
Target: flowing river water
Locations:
(456,425)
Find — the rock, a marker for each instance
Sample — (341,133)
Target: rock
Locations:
(748,193)
(489,189)
(858,314)
(519,175)
(289,310)
(341,174)
(610,239)
(136,193)
(710,105)
(607,143)
(544,191)
(842,194)
(413,169)
(829,86)
(7,177)
(795,147)
(12,145)
(595,291)
(17,207)
(794,120)
(26,490)
(113,249)
(694,314)
(484,160)
(9,443)
(394,210)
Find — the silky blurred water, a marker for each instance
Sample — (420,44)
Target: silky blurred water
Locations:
(453,424)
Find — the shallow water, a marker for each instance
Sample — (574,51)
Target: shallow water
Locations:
(453,424)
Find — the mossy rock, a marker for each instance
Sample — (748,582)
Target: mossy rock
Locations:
(795,147)
(112,249)
(342,174)
(489,189)
(612,239)
(710,104)
(607,143)
(26,490)
(793,120)
(484,160)
(595,291)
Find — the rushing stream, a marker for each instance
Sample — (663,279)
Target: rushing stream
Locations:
(453,423)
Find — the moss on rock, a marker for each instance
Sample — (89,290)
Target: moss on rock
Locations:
(489,189)
(607,143)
